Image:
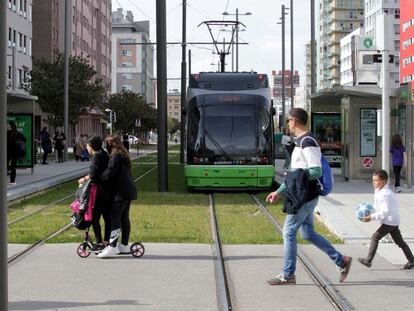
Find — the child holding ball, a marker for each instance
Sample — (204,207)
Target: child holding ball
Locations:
(386,211)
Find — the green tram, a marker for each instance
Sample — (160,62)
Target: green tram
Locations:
(229,132)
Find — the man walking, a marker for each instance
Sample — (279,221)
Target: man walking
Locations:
(301,181)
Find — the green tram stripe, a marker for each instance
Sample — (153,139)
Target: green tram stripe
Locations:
(234,176)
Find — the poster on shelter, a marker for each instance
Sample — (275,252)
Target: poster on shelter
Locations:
(327,129)
(368,146)
(24,124)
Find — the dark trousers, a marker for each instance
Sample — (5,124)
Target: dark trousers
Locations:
(45,156)
(11,165)
(397,173)
(60,155)
(120,219)
(395,233)
(102,208)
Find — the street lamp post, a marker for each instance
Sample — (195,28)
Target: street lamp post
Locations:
(282,22)
(237,33)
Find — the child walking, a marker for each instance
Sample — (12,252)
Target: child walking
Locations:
(387,212)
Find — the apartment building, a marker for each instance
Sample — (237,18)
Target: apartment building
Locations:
(277,77)
(337,18)
(174,104)
(19,52)
(407,41)
(133,55)
(90,37)
(90,34)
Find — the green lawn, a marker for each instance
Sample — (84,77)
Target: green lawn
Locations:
(174,216)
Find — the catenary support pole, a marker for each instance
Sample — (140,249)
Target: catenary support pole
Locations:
(283,68)
(313,47)
(3,158)
(292,89)
(162,95)
(183,83)
(385,99)
(68,23)
(237,40)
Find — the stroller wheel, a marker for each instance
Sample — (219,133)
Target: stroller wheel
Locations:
(137,249)
(83,250)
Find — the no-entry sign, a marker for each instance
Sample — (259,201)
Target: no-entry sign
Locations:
(367,162)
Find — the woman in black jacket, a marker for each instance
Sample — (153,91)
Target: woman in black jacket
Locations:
(14,138)
(102,205)
(123,190)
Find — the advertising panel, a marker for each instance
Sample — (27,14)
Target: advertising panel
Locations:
(327,129)
(368,130)
(24,124)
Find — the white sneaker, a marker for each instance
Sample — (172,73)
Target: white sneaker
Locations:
(124,249)
(109,251)
(398,189)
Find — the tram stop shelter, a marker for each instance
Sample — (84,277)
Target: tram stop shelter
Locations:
(24,110)
(361,130)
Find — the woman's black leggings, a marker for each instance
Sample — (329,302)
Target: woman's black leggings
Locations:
(397,173)
(12,163)
(120,220)
(101,208)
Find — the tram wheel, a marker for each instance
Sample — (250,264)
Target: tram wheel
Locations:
(137,249)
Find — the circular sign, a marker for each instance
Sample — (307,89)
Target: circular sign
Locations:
(367,162)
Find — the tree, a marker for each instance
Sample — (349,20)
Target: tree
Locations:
(129,107)
(86,91)
(173,125)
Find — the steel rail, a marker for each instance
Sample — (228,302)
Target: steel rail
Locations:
(222,286)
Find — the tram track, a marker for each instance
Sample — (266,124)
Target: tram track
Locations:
(71,195)
(15,257)
(333,295)
(224,300)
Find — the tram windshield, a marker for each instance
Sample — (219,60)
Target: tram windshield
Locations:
(231,133)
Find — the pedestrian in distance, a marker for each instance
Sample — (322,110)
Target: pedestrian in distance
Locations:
(59,139)
(123,190)
(387,213)
(46,144)
(102,206)
(15,150)
(301,182)
(397,150)
(125,140)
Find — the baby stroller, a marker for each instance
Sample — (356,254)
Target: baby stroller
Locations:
(82,220)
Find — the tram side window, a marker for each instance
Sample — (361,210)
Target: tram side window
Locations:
(265,133)
(193,127)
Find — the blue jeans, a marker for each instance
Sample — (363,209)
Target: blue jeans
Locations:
(303,219)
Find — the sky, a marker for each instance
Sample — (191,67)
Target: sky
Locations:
(262,33)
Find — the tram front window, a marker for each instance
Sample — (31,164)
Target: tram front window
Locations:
(230,131)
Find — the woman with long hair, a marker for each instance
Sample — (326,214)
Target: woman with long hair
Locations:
(124,190)
(397,150)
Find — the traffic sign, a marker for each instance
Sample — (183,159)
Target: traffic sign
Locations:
(367,162)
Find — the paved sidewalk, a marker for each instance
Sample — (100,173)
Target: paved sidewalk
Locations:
(46,176)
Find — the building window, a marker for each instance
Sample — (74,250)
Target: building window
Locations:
(9,76)
(126,87)
(126,53)
(10,37)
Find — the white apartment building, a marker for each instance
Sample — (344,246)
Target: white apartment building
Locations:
(337,18)
(372,9)
(132,56)
(19,51)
